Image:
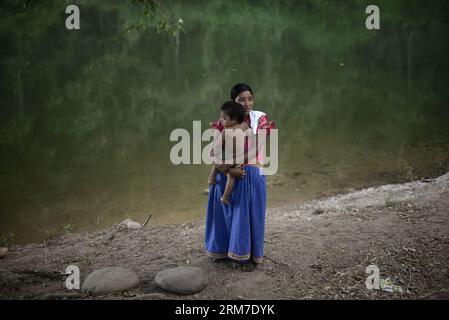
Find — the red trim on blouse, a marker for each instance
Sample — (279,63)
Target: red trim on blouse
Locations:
(263,123)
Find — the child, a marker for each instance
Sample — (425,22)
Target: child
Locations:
(232,117)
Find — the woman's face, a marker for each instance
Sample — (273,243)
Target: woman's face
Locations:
(245,98)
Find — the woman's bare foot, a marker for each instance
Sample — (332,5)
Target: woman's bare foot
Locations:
(248,266)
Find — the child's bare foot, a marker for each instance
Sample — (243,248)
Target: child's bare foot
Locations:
(225,200)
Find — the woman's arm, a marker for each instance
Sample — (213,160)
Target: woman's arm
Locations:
(266,124)
(237,170)
(212,175)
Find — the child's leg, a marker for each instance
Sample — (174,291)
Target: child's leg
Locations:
(228,188)
(237,171)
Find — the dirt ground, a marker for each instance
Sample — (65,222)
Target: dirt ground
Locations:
(313,250)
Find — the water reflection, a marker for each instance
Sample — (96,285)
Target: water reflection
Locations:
(86,116)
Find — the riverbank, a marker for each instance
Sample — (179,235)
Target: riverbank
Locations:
(314,250)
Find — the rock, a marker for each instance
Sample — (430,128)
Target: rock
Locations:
(109,280)
(3,252)
(184,280)
(133,225)
(125,222)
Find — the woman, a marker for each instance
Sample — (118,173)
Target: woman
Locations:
(236,231)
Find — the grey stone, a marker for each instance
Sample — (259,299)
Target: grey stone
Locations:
(109,280)
(3,252)
(184,280)
(125,222)
(133,225)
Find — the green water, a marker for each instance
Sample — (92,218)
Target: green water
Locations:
(86,115)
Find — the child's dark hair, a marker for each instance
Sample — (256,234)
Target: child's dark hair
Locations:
(234,110)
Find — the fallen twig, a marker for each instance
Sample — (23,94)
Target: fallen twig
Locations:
(409,279)
(146,221)
(61,295)
(111,237)
(43,274)
(275,261)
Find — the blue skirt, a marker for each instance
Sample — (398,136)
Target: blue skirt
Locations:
(237,230)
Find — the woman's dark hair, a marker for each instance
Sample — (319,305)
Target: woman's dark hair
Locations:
(234,110)
(239,88)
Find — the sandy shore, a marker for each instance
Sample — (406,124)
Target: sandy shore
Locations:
(314,250)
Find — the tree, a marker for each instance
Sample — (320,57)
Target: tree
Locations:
(155,16)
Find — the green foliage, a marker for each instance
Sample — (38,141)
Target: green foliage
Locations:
(389,201)
(7,240)
(100,97)
(85,260)
(156,17)
(98,88)
(28,19)
(67,227)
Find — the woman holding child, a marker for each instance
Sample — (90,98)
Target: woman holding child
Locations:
(235,223)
